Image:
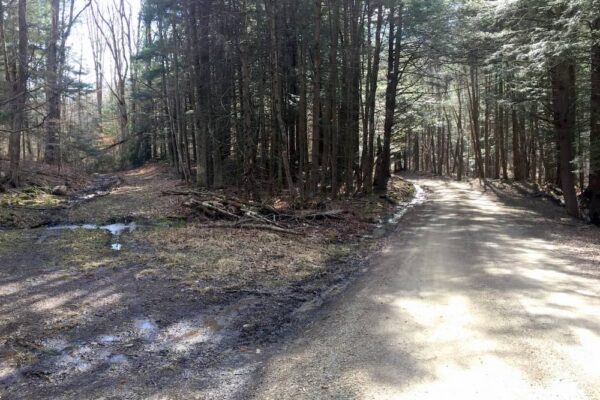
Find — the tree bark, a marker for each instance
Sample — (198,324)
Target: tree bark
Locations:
(316,111)
(519,174)
(474,99)
(52,125)
(276,94)
(368,156)
(19,96)
(332,94)
(393,78)
(563,81)
(594,178)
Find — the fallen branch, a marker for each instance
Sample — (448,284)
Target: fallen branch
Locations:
(218,206)
(182,193)
(334,214)
(253,226)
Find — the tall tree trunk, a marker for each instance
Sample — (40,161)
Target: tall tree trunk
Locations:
(460,144)
(201,58)
(448,141)
(373,73)
(516,146)
(394,47)
(498,140)
(52,125)
(353,26)
(503,116)
(563,103)
(302,124)
(247,139)
(316,113)
(333,98)
(533,145)
(3,49)
(474,98)
(416,149)
(594,178)
(19,96)
(486,131)
(276,93)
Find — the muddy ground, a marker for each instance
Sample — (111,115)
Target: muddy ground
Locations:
(168,307)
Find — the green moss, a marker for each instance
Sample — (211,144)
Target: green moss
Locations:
(168,223)
(30,197)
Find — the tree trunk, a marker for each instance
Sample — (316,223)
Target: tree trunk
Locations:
(19,96)
(369,117)
(563,102)
(460,144)
(247,139)
(517,147)
(52,125)
(200,61)
(333,98)
(503,142)
(594,178)
(393,78)
(475,123)
(486,132)
(498,141)
(276,93)
(316,112)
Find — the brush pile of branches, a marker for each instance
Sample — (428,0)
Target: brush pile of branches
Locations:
(247,213)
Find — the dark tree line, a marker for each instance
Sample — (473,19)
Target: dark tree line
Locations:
(315,97)
(278,94)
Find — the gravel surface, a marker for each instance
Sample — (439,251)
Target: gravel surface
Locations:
(476,296)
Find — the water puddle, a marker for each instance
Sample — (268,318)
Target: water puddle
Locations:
(101,187)
(118,359)
(385,226)
(146,328)
(90,196)
(115,231)
(419,198)
(108,339)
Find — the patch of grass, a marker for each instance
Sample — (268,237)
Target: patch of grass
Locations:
(400,190)
(229,258)
(85,249)
(18,357)
(30,197)
(13,242)
(342,250)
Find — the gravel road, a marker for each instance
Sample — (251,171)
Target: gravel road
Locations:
(470,299)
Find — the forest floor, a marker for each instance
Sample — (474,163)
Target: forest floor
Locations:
(116,291)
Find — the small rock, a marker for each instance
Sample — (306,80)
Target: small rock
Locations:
(60,190)
(118,359)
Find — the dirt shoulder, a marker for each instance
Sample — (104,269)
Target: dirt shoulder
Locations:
(576,237)
(183,310)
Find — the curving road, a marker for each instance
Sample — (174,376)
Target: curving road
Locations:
(470,299)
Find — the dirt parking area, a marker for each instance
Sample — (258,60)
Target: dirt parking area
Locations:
(179,309)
